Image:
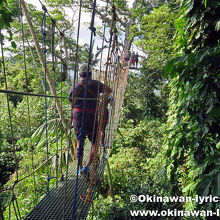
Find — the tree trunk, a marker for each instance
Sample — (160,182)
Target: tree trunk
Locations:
(49,80)
(127,41)
(35,64)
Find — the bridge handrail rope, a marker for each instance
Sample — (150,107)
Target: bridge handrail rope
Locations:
(39,95)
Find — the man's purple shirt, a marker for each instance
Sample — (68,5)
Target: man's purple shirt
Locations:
(94,88)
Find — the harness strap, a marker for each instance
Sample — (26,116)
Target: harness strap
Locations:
(86,110)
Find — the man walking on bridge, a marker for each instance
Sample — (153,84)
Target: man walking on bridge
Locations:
(90,123)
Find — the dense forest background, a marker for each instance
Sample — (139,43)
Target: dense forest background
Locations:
(168,140)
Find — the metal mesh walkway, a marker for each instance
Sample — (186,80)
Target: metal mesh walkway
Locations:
(56,205)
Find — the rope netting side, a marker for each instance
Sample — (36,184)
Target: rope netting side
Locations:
(20,178)
(114,75)
(104,99)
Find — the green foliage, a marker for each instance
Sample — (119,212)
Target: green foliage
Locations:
(7,165)
(145,96)
(135,169)
(8,9)
(129,176)
(154,33)
(192,141)
(198,25)
(194,121)
(16,77)
(140,137)
(121,4)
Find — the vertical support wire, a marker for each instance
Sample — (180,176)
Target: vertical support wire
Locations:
(43,30)
(54,80)
(61,104)
(100,72)
(28,104)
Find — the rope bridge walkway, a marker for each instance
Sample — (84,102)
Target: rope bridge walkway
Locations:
(71,197)
(55,206)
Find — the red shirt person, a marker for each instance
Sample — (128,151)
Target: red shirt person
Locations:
(94,87)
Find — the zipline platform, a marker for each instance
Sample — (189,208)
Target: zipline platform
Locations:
(58,204)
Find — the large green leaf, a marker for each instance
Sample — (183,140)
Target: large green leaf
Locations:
(216,185)
(204,187)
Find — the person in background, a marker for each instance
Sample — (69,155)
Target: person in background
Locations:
(133,56)
(136,59)
(94,87)
(127,57)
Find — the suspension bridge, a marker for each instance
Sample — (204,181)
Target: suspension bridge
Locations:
(67,196)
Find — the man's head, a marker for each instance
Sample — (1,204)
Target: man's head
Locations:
(83,70)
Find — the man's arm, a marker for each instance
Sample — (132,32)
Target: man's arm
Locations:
(71,95)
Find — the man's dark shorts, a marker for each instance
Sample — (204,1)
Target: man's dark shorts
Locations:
(89,122)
